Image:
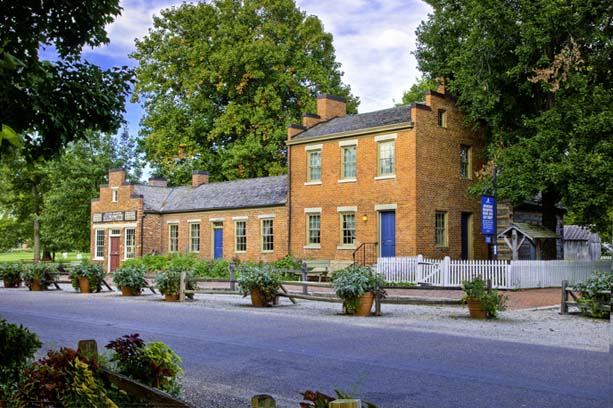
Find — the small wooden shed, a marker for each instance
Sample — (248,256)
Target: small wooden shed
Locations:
(581,243)
(526,240)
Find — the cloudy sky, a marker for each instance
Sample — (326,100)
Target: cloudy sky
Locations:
(373,41)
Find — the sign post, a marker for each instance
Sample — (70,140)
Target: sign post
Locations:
(488,221)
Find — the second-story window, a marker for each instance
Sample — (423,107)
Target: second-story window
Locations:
(314,165)
(465,162)
(349,161)
(115,194)
(386,158)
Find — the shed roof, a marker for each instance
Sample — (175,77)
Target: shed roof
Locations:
(531,231)
(248,193)
(391,116)
(579,233)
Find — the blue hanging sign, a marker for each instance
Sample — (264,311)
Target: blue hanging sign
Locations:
(487,215)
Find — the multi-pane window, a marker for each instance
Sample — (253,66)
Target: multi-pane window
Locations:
(173,237)
(348,228)
(313,229)
(386,158)
(465,161)
(240,236)
(130,238)
(194,237)
(114,195)
(442,118)
(440,228)
(268,240)
(314,169)
(349,162)
(99,243)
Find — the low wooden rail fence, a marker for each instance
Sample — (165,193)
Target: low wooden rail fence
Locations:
(568,292)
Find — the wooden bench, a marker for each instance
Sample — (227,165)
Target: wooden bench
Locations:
(318,268)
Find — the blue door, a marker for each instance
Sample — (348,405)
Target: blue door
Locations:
(218,243)
(388,233)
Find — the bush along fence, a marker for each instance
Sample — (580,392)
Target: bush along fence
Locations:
(503,274)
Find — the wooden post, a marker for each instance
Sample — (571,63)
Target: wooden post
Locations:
(563,306)
(446,271)
(263,401)
(345,403)
(489,285)
(88,348)
(305,289)
(182,287)
(419,274)
(232,275)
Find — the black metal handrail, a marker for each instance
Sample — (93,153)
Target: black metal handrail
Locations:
(366,254)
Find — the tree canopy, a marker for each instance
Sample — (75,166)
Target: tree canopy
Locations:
(417,91)
(221,81)
(537,76)
(50,103)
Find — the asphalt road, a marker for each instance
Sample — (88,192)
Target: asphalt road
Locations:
(231,354)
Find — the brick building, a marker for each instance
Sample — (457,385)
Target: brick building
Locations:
(394,180)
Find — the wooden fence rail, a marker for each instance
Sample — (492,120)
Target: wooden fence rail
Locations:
(569,292)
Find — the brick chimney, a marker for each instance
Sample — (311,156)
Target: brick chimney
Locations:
(330,106)
(441,85)
(158,182)
(199,177)
(310,120)
(117,177)
(293,130)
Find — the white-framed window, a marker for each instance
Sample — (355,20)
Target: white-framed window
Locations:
(313,229)
(173,237)
(314,165)
(348,228)
(99,243)
(349,162)
(465,162)
(440,229)
(442,118)
(115,194)
(194,237)
(130,243)
(240,236)
(386,157)
(268,237)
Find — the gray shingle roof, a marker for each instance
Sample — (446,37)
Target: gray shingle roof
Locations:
(400,114)
(250,193)
(579,233)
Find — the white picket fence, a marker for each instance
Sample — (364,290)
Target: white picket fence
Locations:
(504,275)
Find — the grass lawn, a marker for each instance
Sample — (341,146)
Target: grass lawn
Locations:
(18,256)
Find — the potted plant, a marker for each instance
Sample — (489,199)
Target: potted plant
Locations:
(87,277)
(168,281)
(357,286)
(11,274)
(37,276)
(482,303)
(130,278)
(260,282)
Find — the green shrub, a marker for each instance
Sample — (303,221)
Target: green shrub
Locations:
(258,277)
(215,269)
(156,263)
(288,262)
(492,302)
(352,282)
(590,295)
(131,276)
(11,272)
(134,262)
(92,272)
(44,273)
(168,281)
(183,261)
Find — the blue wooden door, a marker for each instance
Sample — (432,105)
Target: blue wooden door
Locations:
(388,233)
(218,243)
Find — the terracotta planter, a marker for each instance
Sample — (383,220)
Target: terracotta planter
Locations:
(365,306)
(171,298)
(36,286)
(12,283)
(127,291)
(475,310)
(257,298)
(84,285)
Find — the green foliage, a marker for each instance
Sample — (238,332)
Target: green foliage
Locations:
(417,92)
(592,296)
(92,272)
(352,282)
(10,272)
(287,262)
(168,281)
(131,276)
(536,77)
(258,277)
(183,261)
(220,80)
(491,301)
(214,269)
(156,263)
(44,273)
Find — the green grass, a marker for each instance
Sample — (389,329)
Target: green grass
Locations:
(19,256)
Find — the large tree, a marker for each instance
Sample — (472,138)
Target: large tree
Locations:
(50,103)
(221,81)
(537,76)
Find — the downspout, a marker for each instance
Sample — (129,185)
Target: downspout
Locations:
(289,201)
(142,234)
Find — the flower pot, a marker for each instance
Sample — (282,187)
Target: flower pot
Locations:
(257,298)
(84,285)
(171,298)
(475,310)
(365,306)
(36,285)
(12,283)
(127,291)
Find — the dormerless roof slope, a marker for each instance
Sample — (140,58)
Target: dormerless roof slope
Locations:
(392,116)
(249,193)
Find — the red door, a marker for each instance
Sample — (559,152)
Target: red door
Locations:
(114,253)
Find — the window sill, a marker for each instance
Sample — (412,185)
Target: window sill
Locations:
(240,252)
(99,259)
(348,180)
(268,252)
(312,183)
(346,247)
(312,246)
(388,177)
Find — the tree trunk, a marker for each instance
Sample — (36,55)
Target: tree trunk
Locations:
(36,240)
(550,221)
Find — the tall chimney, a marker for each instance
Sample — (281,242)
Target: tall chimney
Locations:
(330,106)
(310,120)
(158,182)
(117,177)
(293,130)
(199,177)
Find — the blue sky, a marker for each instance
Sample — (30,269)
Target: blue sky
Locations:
(373,41)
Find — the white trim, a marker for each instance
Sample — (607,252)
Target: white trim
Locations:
(114,194)
(312,246)
(194,221)
(261,216)
(312,210)
(172,222)
(125,243)
(216,219)
(348,180)
(313,147)
(383,138)
(344,143)
(346,246)
(313,183)
(240,218)
(349,208)
(111,229)
(113,226)
(386,207)
(388,177)
(96,243)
